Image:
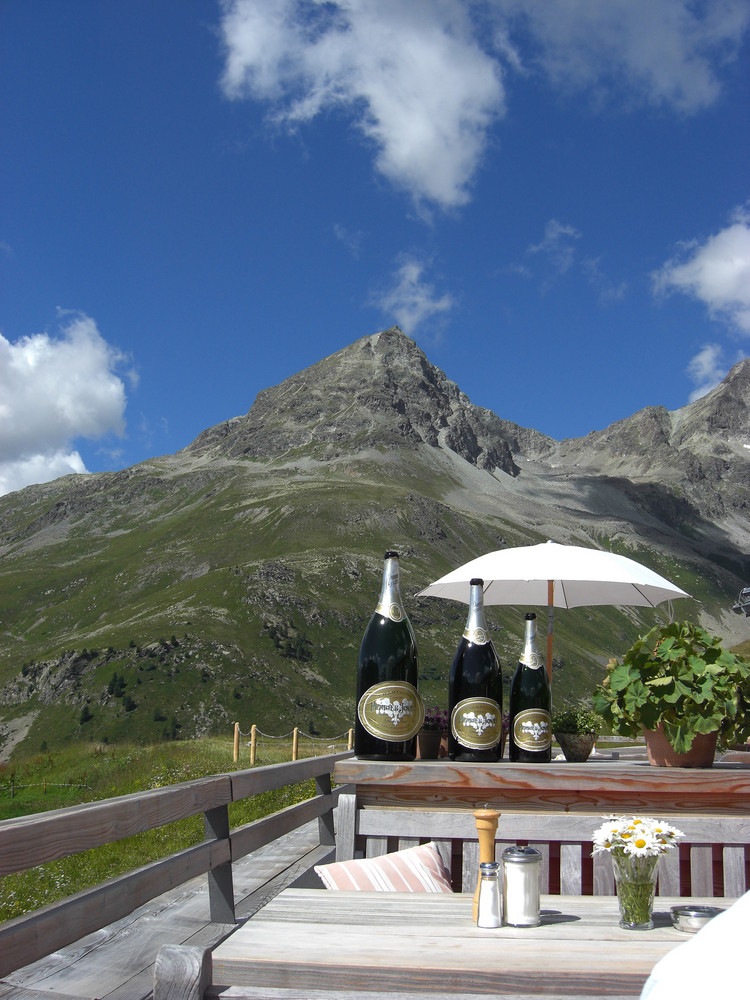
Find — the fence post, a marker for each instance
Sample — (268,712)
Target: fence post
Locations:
(351,740)
(236,742)
(253,743)
(295,743)
(325,822)
(220,883)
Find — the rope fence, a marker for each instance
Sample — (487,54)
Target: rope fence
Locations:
(327,742)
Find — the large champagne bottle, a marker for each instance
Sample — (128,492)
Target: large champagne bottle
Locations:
(530,708)
(389,710)
(475,689)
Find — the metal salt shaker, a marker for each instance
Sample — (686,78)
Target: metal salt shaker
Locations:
(521,886)
(489,908)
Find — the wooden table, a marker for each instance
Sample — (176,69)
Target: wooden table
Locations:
(343,942)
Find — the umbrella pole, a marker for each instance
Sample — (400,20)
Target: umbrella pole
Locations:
(550,623)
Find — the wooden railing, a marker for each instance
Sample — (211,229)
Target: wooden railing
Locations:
(33,840)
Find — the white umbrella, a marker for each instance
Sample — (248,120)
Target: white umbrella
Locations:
(560,576)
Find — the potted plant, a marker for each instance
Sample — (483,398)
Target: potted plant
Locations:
(681,688)
(576,729)
(434,727)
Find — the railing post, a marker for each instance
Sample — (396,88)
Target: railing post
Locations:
(351,740)
(295,743)
(253,743)
(220,884)
(236,742)
(325,822)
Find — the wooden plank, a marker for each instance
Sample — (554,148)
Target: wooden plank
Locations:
(255,780)
(433,945)
(604,879)
(701,870)
(262,831)
(601,786)
(735,883)
(116,962)
(346,817)
(181,973)
(571,873)
(28,938)
(27,841)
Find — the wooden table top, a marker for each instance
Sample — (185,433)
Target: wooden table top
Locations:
(348,941)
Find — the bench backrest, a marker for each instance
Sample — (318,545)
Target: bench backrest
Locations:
(712,860)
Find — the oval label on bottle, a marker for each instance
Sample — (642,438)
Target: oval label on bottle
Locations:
(532,729)
(477,723)
(476,635)
(393,611)
(392,711)
(530,658)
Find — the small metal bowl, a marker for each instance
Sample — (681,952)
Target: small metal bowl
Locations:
(690,918)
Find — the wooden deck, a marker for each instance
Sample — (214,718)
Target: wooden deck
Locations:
(117,961)
(378,809)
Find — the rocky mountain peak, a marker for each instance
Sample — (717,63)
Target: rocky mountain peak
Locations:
(380,392)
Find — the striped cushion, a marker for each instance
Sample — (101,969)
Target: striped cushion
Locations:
(417,869)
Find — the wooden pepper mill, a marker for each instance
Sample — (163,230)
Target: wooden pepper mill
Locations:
(486,821)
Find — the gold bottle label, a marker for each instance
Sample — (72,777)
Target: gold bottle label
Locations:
(532,729)
(477,723)
(392,711)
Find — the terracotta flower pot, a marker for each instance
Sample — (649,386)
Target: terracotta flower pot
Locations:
(662,754)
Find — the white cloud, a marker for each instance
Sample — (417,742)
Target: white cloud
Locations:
(53,391)
(411,75)
(716,272)
(423,80)
(706,370)
(351,240)
(659,52)
(558,245)
(411,300)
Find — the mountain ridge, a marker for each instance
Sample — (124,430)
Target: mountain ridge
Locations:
(238,574)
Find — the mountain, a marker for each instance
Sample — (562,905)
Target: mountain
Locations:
(233,580)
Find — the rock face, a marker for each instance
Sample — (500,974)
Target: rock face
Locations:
(381,392)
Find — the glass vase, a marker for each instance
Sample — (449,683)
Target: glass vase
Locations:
(635,878)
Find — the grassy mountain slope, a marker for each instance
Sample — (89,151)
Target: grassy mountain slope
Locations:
(233,581)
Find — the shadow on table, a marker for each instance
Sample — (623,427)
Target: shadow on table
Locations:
(558,917)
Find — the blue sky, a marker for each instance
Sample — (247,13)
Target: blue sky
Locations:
(200,199)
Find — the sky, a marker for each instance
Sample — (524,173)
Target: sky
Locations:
(199,199)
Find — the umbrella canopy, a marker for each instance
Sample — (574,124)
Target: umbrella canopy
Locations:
(562,576)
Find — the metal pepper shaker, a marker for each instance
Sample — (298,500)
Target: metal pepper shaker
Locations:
(489,912)
(521,886)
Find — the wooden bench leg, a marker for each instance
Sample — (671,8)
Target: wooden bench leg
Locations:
(181,972)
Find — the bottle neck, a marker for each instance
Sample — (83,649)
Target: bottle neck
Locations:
(476,626)
(389,603)
(530,654)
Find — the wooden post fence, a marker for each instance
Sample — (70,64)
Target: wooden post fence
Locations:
(236,742)
(295,743)
(253,743)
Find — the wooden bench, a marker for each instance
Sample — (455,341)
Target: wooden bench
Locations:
(556,808)
(712,860)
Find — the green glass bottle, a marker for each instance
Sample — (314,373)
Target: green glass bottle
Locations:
(389,710)
(475,689)
(530,705)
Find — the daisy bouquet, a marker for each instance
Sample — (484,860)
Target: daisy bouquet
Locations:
(635,844)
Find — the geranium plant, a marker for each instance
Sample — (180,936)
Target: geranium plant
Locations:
(680,676)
